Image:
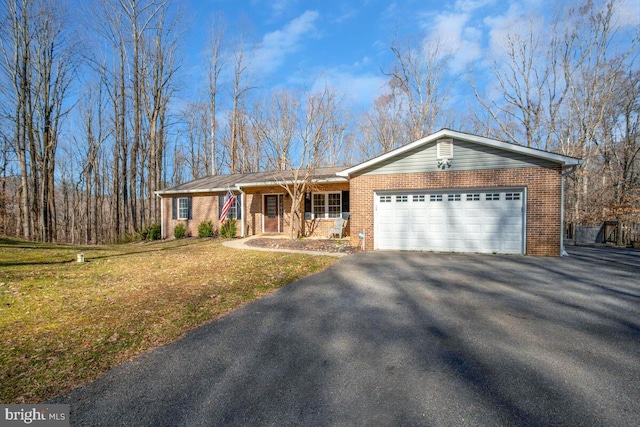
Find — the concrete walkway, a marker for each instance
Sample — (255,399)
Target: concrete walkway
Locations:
(242,244)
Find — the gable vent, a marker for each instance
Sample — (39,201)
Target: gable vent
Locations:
(444,149)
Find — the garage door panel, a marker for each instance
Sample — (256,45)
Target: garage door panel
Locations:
(435,229)
(479,221)
(418,228)
(456,229)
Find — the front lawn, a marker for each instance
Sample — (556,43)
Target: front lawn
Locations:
(63,323)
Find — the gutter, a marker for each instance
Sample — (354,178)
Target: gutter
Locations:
(571,169)
(248,184)
(289,182)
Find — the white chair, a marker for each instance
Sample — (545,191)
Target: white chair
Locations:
(338,227)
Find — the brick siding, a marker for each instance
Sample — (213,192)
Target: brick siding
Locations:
(543,199)
(204,207)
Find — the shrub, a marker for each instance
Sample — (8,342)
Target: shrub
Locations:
(205,229)
(228,229)
(180,231)
(151,232)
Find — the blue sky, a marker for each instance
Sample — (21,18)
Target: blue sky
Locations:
(297,43)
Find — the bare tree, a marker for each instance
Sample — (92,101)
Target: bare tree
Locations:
(158,74)
(384,125)
(275,125)
(418,75)
(532,78)
(296,136)
(16,81)
(37,65)
(214,56)
(196,118)
(241,85)
(619,148)
(558,86)
(592,90)
(137,65)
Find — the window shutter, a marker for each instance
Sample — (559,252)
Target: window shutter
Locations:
(174,208)
(189,208)
(239,206)
(220,204)
(345,201)
(307,202)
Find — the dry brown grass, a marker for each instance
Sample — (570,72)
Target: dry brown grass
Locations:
(64,323)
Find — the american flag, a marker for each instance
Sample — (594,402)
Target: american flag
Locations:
(229,200)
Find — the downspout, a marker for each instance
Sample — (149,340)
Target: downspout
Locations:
(243,201)
(571,170)
(161,216)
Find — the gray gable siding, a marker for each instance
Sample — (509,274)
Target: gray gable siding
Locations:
(466,156)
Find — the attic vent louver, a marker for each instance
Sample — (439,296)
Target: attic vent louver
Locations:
(444,149)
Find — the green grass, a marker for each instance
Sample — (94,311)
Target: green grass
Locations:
(63,323)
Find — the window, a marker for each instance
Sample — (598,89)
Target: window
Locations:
(454,197)
(402,199)
(183,208)
(236,210)
(435,198)
(327,205)
(334,205)
(318,205)
(512,196)
(492,196)
(418,198)
(385,199)
(473,197)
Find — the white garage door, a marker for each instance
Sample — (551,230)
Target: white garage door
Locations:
(468,221)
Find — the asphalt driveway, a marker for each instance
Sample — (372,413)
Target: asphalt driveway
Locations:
(385,338)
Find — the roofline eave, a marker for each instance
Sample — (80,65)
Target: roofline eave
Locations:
(528,151)
(336,180)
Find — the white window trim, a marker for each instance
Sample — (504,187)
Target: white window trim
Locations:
(233,212)
(326,204)
(180,209)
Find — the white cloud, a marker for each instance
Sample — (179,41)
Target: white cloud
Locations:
(460,40)
(627,13)
(458,31)
(515,20)
(271,52)
(471,5)
(280,6)
(359,89)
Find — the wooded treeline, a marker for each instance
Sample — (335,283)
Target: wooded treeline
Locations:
(93,119)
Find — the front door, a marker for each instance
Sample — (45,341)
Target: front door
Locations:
(272,214)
